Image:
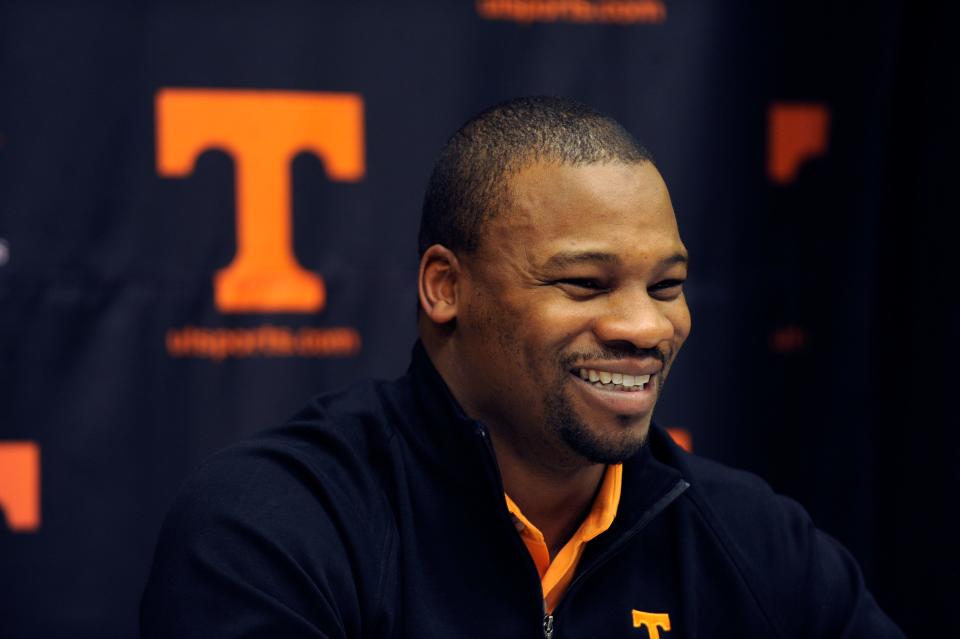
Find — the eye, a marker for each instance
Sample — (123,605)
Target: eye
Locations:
(581,287)
(667,289)
(582,282)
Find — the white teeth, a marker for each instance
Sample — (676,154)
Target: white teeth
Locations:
(622,380)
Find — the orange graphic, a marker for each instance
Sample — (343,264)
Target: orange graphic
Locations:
(682,437)
(262,131)
(582,11)
(797,132)
(20,485)
(654,622)
(262,341)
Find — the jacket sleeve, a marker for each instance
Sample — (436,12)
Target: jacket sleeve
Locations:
(805,582)
(810,583)
(839,604)
(263,545)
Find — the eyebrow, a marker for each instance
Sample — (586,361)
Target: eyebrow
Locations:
(574,258)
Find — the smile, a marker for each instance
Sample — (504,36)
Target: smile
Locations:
(608,380)
(611,395)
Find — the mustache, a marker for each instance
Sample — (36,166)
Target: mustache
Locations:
(618,352)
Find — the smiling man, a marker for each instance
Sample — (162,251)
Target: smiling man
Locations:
(512,483)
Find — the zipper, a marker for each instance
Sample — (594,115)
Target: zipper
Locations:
(548,626)
(492,468)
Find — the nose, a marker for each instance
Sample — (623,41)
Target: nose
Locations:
(634,317)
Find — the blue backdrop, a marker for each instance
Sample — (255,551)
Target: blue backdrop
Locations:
(146,147)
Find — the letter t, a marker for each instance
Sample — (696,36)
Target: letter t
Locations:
(263,131)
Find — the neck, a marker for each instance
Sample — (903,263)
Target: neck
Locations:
(555,502)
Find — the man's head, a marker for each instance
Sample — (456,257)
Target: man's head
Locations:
(468,185)
(549,253)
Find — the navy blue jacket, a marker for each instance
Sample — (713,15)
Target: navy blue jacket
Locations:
(378,511)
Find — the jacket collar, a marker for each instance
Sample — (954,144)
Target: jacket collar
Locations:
(440,430)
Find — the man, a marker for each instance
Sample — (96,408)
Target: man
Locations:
(512,483)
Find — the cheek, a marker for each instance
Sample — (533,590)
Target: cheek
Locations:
(560,323)
(680,318)
(492,329)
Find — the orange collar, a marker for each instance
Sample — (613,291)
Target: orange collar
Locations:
(556,574)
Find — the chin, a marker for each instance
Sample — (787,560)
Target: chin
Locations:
(597,436)
(605,448)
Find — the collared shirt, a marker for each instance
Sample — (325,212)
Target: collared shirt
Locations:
(556,574)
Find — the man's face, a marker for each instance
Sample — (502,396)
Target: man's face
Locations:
(580,277)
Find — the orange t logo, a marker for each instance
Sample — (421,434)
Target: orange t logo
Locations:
(262,130)
(652,621)
(20,485)
(797,133)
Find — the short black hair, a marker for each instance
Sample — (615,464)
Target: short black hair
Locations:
(468,185)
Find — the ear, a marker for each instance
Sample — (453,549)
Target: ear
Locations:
(438,283)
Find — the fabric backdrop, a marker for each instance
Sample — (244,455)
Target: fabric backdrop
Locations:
(208,214)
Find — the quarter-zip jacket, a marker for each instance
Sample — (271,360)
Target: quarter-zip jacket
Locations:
(378,511)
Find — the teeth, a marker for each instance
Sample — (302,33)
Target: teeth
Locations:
(618,379)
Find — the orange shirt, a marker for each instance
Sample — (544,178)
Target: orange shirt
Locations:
(556,574)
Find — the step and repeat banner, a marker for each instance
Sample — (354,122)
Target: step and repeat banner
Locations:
(208,214)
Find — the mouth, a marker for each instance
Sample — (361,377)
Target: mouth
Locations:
(611,381)
(615,392)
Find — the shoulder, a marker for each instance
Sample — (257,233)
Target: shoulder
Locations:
(800,576)
(291,526)
(770,538)
(739,501)
(743,502)
(324,458)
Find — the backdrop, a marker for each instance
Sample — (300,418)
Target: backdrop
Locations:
(208,214)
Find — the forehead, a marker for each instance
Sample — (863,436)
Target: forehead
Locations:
(618,208)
